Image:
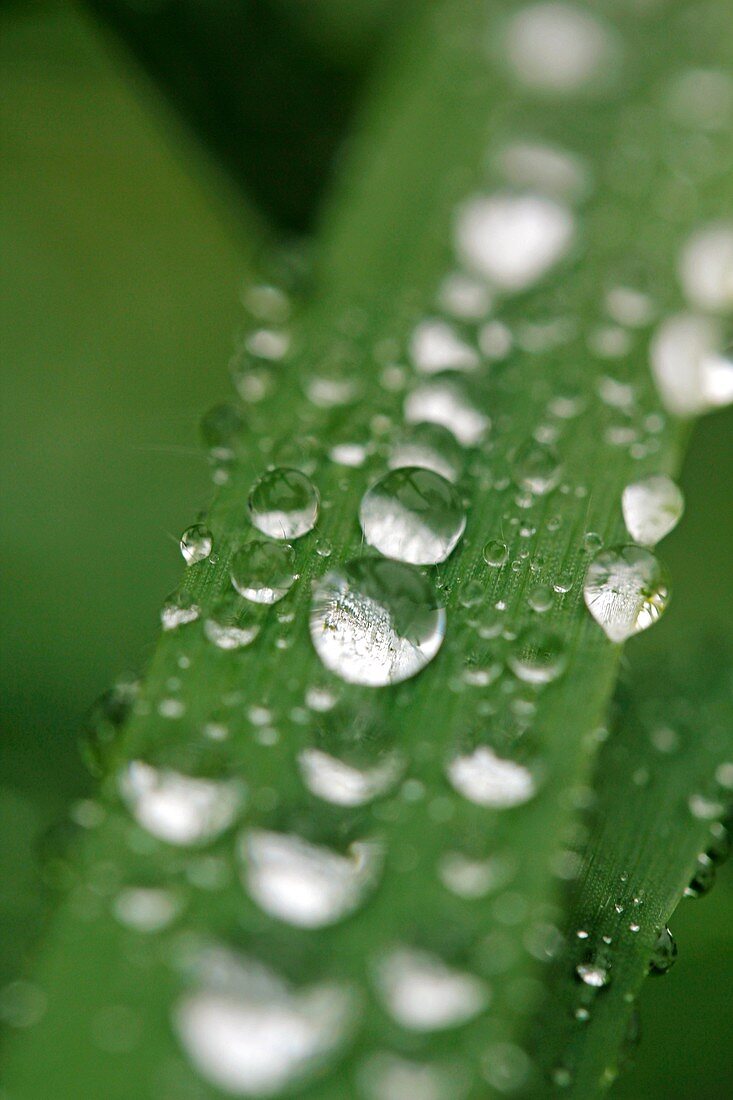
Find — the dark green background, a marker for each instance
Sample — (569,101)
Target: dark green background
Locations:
(124,253)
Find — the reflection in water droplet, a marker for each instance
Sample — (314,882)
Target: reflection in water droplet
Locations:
(626,590)
(431,447)
(692,372)
(495,553)
(413,515)
(284,504)
(196,544)
(231,623)
(376,622)
(488,780)
(536,467)
(706,268)
(664,953)
(249,1034)
(435,346)
(560,48)
(343,784)
(178,808)
(513,240)
(263,572)
(652,508)
(445,403)
(423,994)
(304,884)
(146,909)
(538,656)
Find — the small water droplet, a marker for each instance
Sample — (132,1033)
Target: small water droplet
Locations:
(146,908)
(178,609)
(652,508)
(626,590)
(703,878)
(435,346)
(538,656)
(344,784)
(376,621)
(196,544)
(537,467)
(560,48)
(540,598)
(263,572)
(447,404)
(304,884)
(706,268)
(495,553)
(664,953)
(283,504)
(488,780)
(412,515)
(593,974)
(430,447)
(423,994)
(231,623)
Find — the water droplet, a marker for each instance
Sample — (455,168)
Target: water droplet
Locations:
(146,909)
(703,878)
(593,974)
(692,372)
(104,723)
(305,884)
(412,515)
(560,48)
(248,1033)
(495,553)
(178,610)
(536,467)
(387,1077)
(263,572)
(196,544)
(464,297)
(447,404)
(376,622)
(488,780)
(423,994)
(344,784)
(435,346)
(552,171)
(430,447)
(540,598)
(473,878)
(626,590)
(538,656)
(511,239)
(652,508)
(178,808)
(283,504)
(664,953)
(706,268)
(220,427)
(231,624)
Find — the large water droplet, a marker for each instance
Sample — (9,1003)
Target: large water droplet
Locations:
(692,371)
(447,404)
(560,48)
(706,268)
(263,572)
(178,808)
(344,784)
(376,622)
(626,590)
(305,884)
(513,240)
(430,447)
(423,994)
(652,508)
(538,656)
(413,515)
(196,544)
(488,780)
(249,1034)
(284,504)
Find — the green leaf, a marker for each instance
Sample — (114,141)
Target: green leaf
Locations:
(569,430)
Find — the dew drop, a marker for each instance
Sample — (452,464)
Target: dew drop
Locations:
(344,784)
(593,974)
(552,171)
(376,622)
(435,347)
(431,447)
(196,544)
(178,609)
(178,808)
(536,467)
(495,553)
(538,656)
(231,623)
(488,780)
(248,1033)
(513,240)
(664,953)
(652,508)
(387,1077)
(626,590)
(305,884)
(706,268)
(146,909)
(423,994)
(703,878)
(263,572)
(692,372)
(473,878)
(412,515)
(560,48)
(447,404)
(283,504)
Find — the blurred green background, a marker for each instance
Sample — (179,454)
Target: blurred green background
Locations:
(124,250)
